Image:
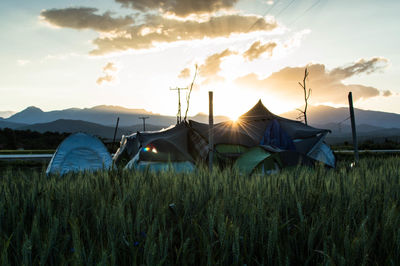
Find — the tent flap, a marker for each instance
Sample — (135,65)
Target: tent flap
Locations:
(248,161)
(275,136)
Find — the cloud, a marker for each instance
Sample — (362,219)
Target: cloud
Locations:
(185,73)
(181,8)
(106,78)
(157,29)
(123,33)
(387,93)
(327,86)
(110,67)
(212,66)
(257,49)
(23,62)
(361,66)
(108,74)
(84,18)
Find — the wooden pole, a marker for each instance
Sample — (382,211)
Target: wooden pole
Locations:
(210,130)
(353,127)
(115,134)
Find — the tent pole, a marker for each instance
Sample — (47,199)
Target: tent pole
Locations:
(353,127)
(210,130)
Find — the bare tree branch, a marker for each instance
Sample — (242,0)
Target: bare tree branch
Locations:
(306,97)
(190,91)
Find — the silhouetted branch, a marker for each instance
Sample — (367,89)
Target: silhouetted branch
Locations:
(190,91)
(306,97)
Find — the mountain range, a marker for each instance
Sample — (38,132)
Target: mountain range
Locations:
(319,115)
(100,121)
(103,114)
(72,126)
(370,124)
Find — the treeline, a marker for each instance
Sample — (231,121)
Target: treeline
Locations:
(387,144)
(29,140)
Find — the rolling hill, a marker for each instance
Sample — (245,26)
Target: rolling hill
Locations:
(12,125)
(72,126)
(103,114)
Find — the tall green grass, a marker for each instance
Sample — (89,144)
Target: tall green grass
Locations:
(300,216)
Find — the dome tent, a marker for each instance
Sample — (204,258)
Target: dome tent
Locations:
(79,152)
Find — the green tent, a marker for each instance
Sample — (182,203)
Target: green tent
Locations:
(257,159)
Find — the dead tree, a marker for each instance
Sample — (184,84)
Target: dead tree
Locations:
(307,93)
(190,91)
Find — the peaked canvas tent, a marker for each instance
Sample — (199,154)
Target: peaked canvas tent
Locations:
(79,152)
(260,127)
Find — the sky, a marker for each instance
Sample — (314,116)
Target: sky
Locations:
(131,53)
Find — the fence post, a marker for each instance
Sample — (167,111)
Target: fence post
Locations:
(353,127)
(210,131)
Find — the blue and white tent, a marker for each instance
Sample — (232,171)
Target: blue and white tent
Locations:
(79,152)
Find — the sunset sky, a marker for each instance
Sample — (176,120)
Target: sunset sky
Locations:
(63,54)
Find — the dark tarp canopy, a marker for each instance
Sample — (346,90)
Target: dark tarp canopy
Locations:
(294,129)
(259,126)
(242,133)
(169,144)
(187,142)
(251,126)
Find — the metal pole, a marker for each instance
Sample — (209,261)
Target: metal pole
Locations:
(178,115)
(115,134)
(353,127)
(144,121)
(210,130)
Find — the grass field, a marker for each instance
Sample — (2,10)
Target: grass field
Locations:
(27,151)
(300,216)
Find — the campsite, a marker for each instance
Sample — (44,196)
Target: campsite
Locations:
(276,194)
(200,132)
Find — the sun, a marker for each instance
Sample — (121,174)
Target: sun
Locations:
(234,118)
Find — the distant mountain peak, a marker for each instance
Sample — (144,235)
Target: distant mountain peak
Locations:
(116,108)
(200,114)
(32,109)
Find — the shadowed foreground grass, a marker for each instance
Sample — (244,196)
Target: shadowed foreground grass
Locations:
(300,216)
